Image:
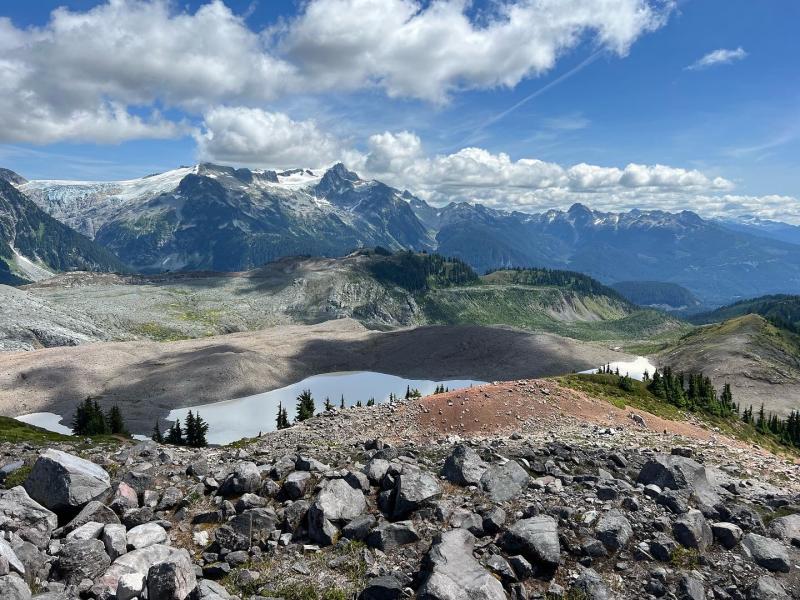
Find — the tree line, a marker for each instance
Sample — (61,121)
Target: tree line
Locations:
(418,272)
(90,420)
(572,280)
(192,434)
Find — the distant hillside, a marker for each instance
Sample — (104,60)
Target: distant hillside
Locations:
(657,294)
(377,288)
(33,244)
(759,360)
(781,310)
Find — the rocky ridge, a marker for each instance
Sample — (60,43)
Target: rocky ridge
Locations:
(323,510)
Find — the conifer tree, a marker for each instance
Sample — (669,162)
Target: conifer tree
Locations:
(328,405)
(175,434)
(190,429)
(305,405)
(157,436)
(116,424)
(341,404)
(371,402)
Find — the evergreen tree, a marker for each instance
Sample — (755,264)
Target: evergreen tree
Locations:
(358,404)
(761,422)
(199,431)
(341,404)
(305,406)
(328,405)
(157,436)
(116,424)
(371,402)
(175,434)
(282,420)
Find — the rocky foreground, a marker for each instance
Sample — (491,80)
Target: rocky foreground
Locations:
(324,511)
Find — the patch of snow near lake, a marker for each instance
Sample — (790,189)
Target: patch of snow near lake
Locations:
(247,417)
(633,368)
(46,420)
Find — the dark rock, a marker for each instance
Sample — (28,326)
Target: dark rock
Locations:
(767,553)
(767,588)
(358,529)
(172,579)
(337,503)
(691,588)
(94,512)
(787,529)
(727,535)
(692,530)
(245,478)
(382,588)
(679,473)
(82,559)
(536,539)
(591,586)
(614,530)
(296,484)
(26,517)
(452,571)
(413,489)
(504,482)
(63,482)
(390,535)
(464,466)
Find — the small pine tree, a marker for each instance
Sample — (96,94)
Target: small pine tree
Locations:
(199,433)
(175,434)
(305,405)
(280,423)
(358,404)
(341,404)
(371,402)
(328,405)
(190,430)
(157,436)
(116,424)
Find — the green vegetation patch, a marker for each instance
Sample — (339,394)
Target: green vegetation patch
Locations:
(158,332)
(12,430)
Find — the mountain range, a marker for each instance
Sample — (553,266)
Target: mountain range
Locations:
(210,217)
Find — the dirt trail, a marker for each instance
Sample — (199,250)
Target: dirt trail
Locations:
(147,379)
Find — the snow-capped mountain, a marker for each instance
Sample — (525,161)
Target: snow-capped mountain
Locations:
(220,218)
(33,244)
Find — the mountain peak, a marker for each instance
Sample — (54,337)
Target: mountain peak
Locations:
(12,177)
(578,209)
(340,171)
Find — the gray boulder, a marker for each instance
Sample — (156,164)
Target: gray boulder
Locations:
(413,489)
(692,530)
(679,473)
(691,588)
(337,503)
(93,512)
(504,482)
(453,572)
(137,561)
(614,530)
(115,539)
(464,466)
(536,539)
(767,588)
(26,517)
(591,586)
(14,588)
(767,553)
(131,586)
(172,579)
(82,559)
(87,531)
(245,478)
(7,553)
(63,482)
(386,587)
(296,484)
(391,535)
(146,535)
(358,529)
(376,469)
(726,535)
(787,528)
(250,528)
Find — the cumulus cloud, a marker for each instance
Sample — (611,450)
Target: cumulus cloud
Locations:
(721,56)
(257,138)
(125,59)
(476,172)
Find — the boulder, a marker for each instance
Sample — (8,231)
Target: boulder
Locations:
(250,528)
(464,466)
(767,553)
(453,573)
(146,535)
(386,587)
(413,489)
(172,579)
(679,473)
(87,531)
(767,588)
(171,498)
(376,469)
(536,539)
(64,482)
(26,517)
(614,530)
(115,539)
(130,586)
(137,561)
(337,503)
(82,559)
(358,529)
(94,512)
(391,535)
(691,588)
(504,482)
(7,553)
(726,535)
(14,588)
(787,529)
(692,530)
(590,586)
(296,484)
(245,478)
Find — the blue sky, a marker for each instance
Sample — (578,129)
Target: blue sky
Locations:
(726,133)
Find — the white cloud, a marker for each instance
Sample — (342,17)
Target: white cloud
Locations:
(124,59)
(428,51)
(256,138)
(718,57)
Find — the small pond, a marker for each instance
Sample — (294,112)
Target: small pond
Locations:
(246,417)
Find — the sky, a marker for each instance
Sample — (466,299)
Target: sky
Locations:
(518,104)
